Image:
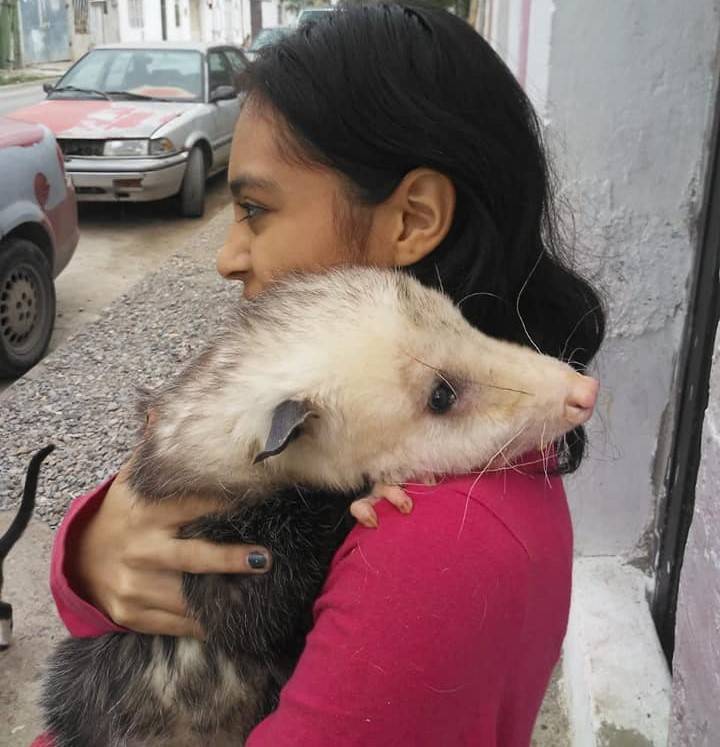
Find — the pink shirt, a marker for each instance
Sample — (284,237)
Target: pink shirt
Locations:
(437,628)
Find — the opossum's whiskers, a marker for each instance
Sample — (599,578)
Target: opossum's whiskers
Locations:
(477,293)
(481,383)
(574,329)
(544,454)
(481,473)
(517,300)
(433,368)
(440,282)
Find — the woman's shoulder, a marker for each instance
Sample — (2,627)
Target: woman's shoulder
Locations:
(471,531)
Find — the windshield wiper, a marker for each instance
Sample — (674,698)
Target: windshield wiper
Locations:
(75,89)
(140,96)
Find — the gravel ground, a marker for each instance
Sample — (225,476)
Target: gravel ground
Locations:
(82,397)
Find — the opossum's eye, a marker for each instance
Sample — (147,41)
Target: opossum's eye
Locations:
(442,397)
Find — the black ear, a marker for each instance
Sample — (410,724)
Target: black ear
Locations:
(287,421)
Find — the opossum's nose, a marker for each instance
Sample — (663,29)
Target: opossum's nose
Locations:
(581,399)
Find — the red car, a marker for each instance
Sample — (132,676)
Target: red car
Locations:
(38,235)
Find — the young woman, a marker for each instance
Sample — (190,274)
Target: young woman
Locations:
(394,136)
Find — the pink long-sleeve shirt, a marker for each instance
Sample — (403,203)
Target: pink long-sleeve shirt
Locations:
(437,628)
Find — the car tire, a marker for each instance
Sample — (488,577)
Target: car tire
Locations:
(192,192)
(27,306)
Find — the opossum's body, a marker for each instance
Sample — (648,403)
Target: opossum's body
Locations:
(332,382)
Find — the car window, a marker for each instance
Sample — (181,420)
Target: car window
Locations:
(160,73)
(116,72)
(88,72)
(219,71)
(236,60)
(238,64)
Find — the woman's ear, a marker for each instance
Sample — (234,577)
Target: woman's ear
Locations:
(423,206)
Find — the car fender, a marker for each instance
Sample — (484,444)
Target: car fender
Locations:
(24,213)
(201,139)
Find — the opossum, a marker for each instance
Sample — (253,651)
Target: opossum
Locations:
(13,534)
(324,385)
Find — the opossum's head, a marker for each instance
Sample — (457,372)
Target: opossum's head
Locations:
(383,379)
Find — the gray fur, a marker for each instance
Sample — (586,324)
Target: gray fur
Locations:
(362,350)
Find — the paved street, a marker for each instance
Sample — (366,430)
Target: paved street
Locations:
(119,244)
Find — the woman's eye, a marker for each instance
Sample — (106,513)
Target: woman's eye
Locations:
(442,397)
(248,211)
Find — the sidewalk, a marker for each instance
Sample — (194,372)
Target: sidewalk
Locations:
(43,71)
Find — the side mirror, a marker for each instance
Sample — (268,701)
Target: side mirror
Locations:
(223,93)
(49,86)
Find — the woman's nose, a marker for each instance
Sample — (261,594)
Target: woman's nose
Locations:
(233,259)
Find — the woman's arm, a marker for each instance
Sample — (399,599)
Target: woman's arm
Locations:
(117,564)
(416,631)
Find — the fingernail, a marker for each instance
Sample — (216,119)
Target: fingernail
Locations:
(256,560)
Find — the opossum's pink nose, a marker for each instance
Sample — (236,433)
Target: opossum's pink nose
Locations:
(580,402)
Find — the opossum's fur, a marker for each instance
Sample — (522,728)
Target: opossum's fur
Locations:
(360,351)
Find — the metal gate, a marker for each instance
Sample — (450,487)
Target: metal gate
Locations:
(45,32)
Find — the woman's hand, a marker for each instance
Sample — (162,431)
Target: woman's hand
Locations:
(128,563)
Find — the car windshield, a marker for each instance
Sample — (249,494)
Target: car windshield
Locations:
(156,74)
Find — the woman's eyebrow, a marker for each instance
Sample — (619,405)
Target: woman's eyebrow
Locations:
(246,181)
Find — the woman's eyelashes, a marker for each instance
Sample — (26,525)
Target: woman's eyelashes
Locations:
(247,211)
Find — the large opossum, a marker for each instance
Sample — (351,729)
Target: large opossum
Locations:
(324,385)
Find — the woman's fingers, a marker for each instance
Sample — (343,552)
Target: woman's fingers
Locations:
(203,556)
(161,622)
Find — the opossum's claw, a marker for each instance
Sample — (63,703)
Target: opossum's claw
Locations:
(362,508)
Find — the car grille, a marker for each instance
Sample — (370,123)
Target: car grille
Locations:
(81,147)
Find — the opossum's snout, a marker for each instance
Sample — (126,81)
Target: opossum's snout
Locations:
(581,398)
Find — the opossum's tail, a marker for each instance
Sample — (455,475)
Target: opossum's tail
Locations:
(27,504)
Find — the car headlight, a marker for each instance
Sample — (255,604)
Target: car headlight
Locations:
(163,146)
(126,148)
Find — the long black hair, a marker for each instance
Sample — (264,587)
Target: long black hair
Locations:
(374,91)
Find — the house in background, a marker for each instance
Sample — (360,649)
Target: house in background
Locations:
(108,21)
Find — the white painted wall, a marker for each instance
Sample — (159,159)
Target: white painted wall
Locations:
(696,665)
(624,90)
(152,22)
(223,21)
(227,21)
(270,14)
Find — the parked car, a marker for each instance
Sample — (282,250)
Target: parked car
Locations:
(312,13)
(268,36)
(139,122)
(38,235)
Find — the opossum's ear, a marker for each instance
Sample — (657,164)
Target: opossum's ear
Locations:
(287,421)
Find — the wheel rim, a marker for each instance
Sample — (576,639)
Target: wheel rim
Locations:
(20,309)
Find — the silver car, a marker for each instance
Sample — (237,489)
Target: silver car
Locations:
(140,122)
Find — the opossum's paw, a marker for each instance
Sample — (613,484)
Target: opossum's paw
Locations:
(362,508)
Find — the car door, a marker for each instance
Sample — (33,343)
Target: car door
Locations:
(226,111)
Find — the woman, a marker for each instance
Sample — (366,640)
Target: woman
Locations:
(392,136)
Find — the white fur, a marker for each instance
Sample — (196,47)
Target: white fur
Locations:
(362,346)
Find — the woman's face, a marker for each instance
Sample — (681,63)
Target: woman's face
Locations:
(288,216)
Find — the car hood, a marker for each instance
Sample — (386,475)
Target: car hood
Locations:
(14,133)
(101,120)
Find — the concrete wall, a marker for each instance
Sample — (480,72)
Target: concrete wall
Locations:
(625,91)
(223,21)
(696,666)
